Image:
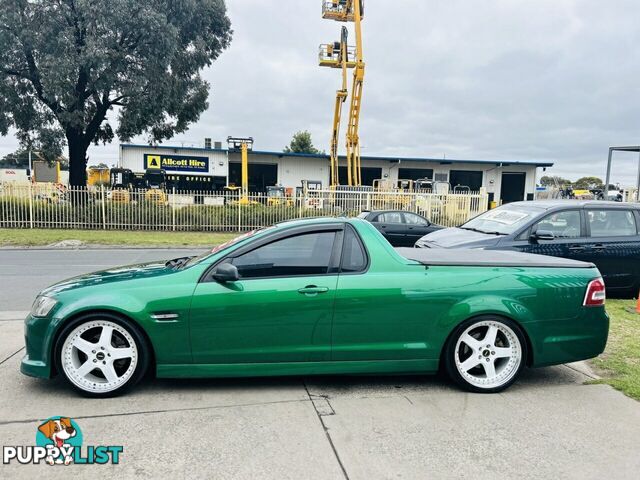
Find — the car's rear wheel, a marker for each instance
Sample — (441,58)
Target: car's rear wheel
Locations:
(486,354)
(101,355)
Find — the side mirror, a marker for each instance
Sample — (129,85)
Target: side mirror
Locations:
(542,235)
(226,273)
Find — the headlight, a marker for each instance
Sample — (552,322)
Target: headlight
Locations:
(42,306)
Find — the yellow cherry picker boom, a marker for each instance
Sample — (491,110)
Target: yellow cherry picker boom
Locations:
(337,55)
(243,145)
(342,56)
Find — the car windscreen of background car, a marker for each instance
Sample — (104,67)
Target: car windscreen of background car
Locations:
(502,220)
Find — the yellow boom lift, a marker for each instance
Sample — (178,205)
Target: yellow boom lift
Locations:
(243,145)
(337,55)
(342,56)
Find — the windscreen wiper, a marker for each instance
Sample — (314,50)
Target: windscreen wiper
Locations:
(482,231)
(177,262)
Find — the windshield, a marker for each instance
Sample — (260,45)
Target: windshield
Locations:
(503,220)
(222,246)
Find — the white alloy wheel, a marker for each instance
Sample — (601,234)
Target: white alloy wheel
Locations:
(99,356)
(488,354)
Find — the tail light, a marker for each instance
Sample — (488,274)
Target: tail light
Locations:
(595,295)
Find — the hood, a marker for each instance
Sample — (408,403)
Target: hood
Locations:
(458,238)
(112,275)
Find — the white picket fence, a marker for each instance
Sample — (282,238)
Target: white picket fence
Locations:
(55,206)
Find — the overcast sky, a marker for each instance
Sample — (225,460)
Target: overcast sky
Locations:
(548,80)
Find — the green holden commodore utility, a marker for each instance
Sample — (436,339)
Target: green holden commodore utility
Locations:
(318,296)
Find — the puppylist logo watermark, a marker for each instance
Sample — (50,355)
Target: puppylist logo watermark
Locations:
(59,442)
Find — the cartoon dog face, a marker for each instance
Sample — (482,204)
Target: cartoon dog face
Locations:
(58,430)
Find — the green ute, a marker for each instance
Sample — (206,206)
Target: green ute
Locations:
(324,296)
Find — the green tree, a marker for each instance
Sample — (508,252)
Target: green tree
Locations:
(17,159)
(301,143)
(549,181)
(65,64)
(40,150)
(588,182)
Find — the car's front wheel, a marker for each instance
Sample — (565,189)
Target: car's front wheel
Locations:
(101,355)
(486,354)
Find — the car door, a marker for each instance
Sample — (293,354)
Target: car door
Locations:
(417,227)
(280,309)
(569,236)
(392,226)
(615,246)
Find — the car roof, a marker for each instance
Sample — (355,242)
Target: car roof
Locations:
(299,222)
(387,211)
(549,204)
(317,221)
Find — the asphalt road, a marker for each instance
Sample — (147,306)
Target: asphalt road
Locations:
(549,425)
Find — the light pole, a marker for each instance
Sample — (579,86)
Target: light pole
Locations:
(30,170)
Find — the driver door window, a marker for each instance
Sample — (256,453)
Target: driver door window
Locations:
(568,241)
(413,219)
(308,254)
(565,224)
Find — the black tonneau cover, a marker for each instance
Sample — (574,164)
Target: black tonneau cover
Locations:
(486,258)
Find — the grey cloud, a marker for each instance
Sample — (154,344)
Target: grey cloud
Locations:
(546,80)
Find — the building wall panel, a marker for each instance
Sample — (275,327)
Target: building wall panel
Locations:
(293,169)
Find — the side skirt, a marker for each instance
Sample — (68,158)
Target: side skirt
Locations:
(294,368)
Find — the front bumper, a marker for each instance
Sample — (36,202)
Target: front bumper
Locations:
(35,368)
(37,338)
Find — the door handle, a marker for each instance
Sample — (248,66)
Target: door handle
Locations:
(312,290)
(576,248)
(599,246)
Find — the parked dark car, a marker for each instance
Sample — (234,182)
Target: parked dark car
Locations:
(402,229)
(601,232)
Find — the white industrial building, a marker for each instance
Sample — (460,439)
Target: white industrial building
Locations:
(213,168)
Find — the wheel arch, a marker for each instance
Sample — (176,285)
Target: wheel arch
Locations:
(114,314)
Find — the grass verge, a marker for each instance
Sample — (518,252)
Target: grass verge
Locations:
(619,365)
(39,237)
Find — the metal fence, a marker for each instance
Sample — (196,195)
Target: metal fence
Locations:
(55,206)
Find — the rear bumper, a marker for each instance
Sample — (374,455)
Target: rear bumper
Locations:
(571,341)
